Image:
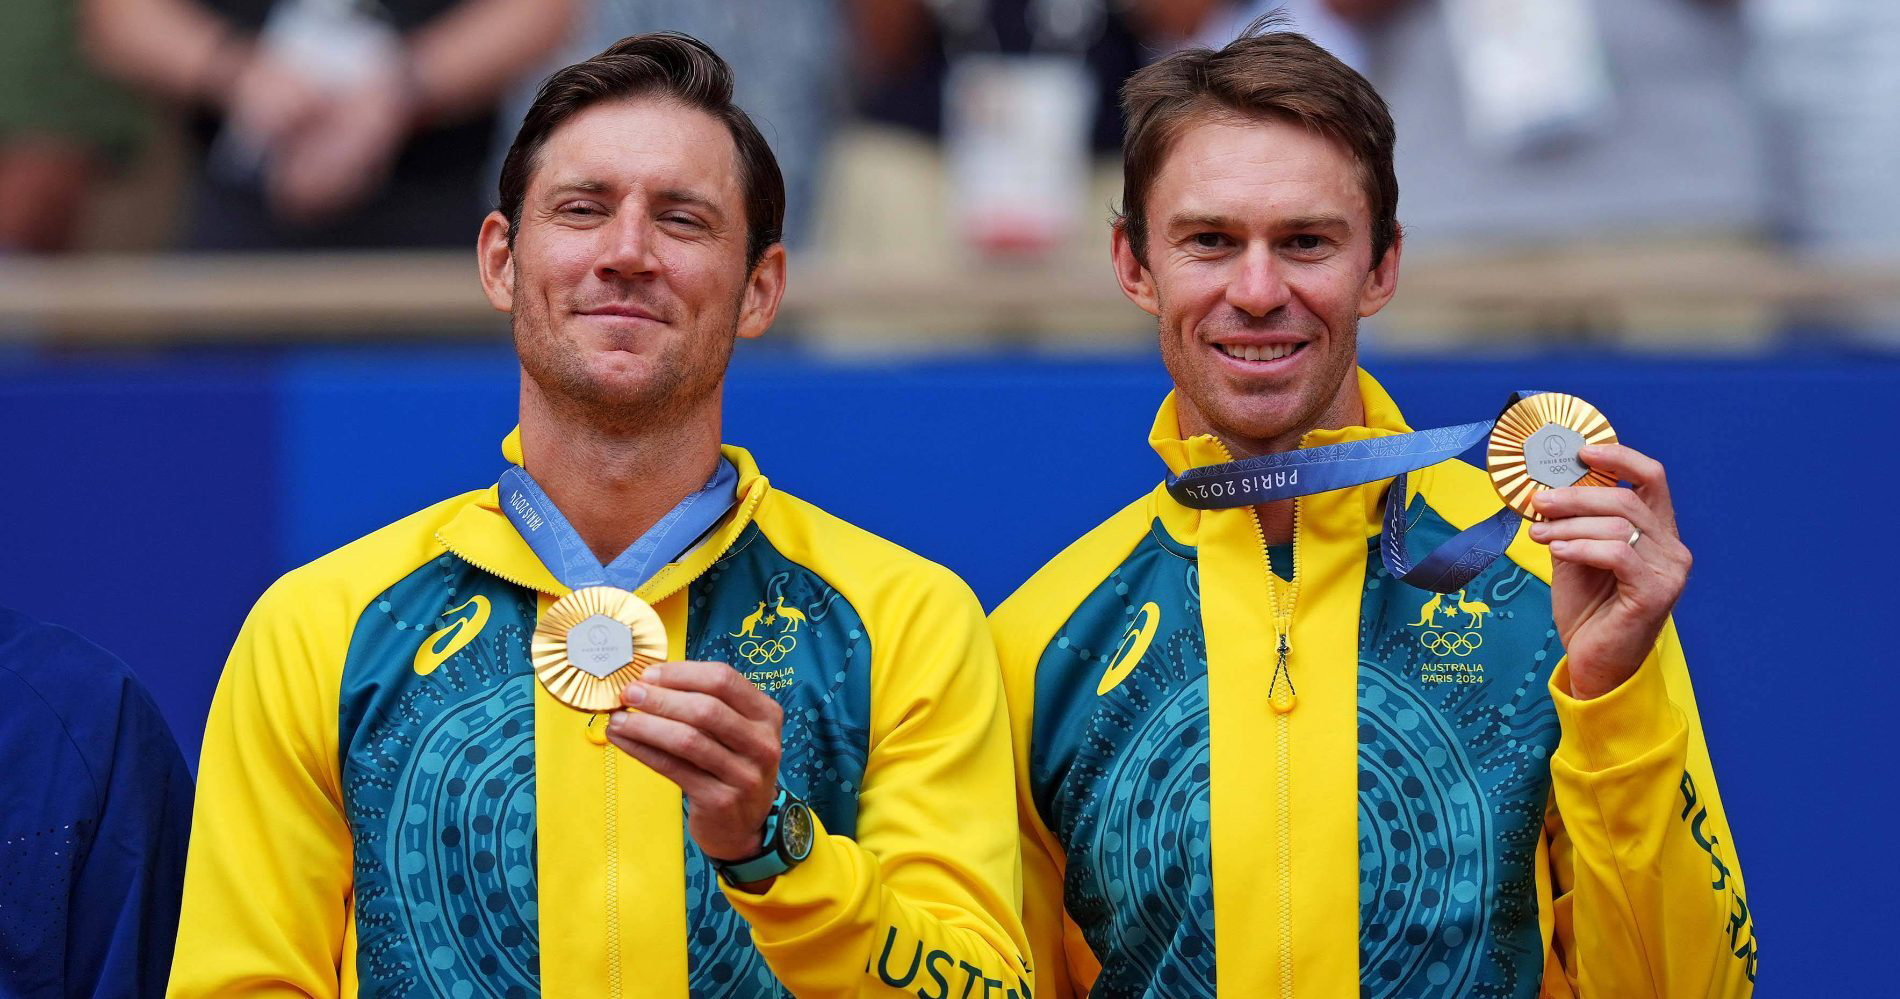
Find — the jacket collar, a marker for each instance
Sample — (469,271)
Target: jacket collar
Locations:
(1382,419)
(481,535)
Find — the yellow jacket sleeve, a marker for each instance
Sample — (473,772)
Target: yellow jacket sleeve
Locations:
(1649,897)
(1065,966)
(267,882)
(923,902)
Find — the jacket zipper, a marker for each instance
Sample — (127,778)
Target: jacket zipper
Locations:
(1283,698)
(613,873)
(610,779)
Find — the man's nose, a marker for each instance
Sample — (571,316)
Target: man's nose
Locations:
(1259,285)
(626,247)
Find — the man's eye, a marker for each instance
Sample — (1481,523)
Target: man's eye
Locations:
(1208,240)
(676,218)
(1308,242)
(580,208)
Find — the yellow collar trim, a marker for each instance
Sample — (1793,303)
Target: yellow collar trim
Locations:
(1382,419)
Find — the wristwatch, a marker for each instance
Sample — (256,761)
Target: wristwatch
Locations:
(788,839)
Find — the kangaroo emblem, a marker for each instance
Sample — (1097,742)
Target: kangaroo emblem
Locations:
(750,626)
(1428,614)
(792,615)
(1476,609)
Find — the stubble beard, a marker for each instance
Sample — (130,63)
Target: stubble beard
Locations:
(1226,420)
(681,384)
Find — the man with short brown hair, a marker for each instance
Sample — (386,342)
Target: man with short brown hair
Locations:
(1244,718)
(811,794)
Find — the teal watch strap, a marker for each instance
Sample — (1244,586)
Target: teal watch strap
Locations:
(783,847)
(759,868)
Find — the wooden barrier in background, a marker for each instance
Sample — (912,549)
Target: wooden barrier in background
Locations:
(1719,298)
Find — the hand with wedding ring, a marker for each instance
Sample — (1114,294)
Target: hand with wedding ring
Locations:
(1618,566)
(707,728)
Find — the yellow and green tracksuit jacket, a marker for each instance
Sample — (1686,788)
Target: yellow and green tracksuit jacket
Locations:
(1434,817)
(389,804)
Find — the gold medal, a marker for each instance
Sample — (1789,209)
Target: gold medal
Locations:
(1534,447)
(593,642)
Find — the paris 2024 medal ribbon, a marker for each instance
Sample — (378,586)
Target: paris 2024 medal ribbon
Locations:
(1534,448)
(593,642)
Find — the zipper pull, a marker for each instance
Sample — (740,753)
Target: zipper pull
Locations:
(1282,700)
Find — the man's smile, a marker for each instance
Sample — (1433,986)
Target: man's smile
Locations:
(1256,356)
(621,311)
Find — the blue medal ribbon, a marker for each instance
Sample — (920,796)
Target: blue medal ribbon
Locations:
(560,548)
(1269,478)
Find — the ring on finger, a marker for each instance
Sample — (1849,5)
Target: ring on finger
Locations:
(1636,534)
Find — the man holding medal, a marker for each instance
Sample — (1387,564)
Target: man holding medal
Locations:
(630,722)
(1247,719)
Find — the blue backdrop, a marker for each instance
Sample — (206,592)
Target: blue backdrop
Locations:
(151,499)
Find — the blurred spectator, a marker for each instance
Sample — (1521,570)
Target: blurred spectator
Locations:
(61,126)
(331,123)
(790,58)
(909,46)
(95,814)
(937,77)
(1601,120)
(1831,80)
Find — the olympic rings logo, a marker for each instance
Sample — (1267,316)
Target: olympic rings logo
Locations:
(1447,643)
(768,652)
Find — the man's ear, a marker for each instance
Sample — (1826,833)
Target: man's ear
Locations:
(1382,282)
(1137,281)
(762,293)
(496,259)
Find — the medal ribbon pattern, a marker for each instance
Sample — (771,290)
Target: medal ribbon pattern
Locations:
(1268,478)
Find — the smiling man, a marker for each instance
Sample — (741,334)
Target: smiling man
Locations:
(813,796)
(1253,759)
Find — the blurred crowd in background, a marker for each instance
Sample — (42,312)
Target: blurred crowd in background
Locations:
(938,134)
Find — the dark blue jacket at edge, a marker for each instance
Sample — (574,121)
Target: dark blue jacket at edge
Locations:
(95,812)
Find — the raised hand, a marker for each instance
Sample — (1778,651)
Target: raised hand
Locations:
(1618,566)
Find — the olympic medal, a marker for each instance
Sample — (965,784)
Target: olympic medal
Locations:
(592,643)
(1534,448)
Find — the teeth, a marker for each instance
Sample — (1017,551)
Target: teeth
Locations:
(1251,353)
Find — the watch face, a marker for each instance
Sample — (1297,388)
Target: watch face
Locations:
(795,831)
